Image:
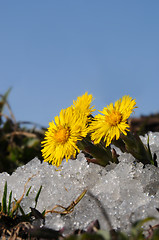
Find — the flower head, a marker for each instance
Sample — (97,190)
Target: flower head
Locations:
(83,106)
(113,121)
(62,136)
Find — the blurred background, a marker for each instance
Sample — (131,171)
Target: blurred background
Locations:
(53,51)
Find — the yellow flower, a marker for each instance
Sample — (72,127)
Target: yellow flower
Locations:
(82,105)
(62,136)
(113,122)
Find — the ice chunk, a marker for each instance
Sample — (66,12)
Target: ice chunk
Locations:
(124,192)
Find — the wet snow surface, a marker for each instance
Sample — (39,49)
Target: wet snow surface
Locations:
(126,191)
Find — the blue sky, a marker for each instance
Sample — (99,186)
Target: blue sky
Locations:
(53,51)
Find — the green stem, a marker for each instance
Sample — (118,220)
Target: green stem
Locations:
(135,146)
(101,155)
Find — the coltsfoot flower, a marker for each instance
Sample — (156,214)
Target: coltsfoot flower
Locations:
(113,121)
(83,106)
(62,135)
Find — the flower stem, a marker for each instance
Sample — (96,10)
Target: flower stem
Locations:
(101,155)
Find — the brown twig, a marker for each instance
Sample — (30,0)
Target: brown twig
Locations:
(20,133)
(68,209)
(20,199)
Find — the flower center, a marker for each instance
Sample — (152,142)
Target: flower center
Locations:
(114,118)
(62,135)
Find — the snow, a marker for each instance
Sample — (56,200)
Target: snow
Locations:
(126,191)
